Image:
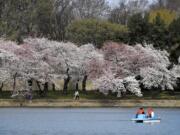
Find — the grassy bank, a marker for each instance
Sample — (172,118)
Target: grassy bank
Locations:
(84,103)
(93,99)
(95,95)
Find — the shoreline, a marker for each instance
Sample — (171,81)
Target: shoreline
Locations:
(83,103)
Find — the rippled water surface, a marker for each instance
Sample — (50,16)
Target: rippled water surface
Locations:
(103,121)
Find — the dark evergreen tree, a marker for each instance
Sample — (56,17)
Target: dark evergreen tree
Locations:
(175,31)
(159,35)
(175,39)
(139,28)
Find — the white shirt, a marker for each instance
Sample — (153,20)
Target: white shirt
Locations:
(76,93)
(152,114)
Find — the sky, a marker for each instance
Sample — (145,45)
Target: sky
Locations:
(113,2)
(116,2)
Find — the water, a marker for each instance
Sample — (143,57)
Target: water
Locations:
(103,121)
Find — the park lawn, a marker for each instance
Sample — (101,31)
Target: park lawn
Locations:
(95,95)
(70,95)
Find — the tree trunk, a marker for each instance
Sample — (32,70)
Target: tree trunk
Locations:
(1,87)
(66,82)
(77,85)
(30,81)
(84,83)
(14,82)
(45,88)
(53,87)
(39,87)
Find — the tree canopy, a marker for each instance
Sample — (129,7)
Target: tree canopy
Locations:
(95,32)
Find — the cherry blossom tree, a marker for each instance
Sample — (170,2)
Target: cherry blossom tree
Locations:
(157,75)
(27,64)
(149,64)
(122,59)
(91,63)
(125,60)
(5,58)
(45,73)
(132,85)
(114,68)
(176,72)
(154,78)
(9,62)
(68,61)
(108,83)
(62,58)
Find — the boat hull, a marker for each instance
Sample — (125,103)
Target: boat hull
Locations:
(147,120)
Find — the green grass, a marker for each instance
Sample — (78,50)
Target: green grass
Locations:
(70,95)
(93,95)
(161,95)
(5,95)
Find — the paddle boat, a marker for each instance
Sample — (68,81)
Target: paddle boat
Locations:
(142,118)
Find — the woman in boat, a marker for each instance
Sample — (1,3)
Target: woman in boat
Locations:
(150,113)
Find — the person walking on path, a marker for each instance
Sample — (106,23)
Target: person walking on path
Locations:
(76,95)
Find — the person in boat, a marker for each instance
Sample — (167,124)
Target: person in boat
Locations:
(150,113)
(140,111)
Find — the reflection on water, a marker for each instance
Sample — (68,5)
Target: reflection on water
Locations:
(103,121)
